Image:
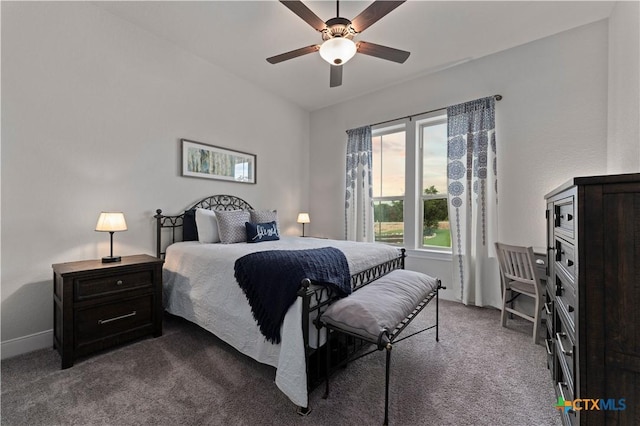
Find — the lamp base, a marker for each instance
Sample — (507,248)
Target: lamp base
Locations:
(111,259)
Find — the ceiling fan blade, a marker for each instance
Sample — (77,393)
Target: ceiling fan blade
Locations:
(305,13)
(373,14)
(383,52)
(335,78)
(293,54)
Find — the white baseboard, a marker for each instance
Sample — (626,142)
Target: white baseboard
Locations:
(30,343)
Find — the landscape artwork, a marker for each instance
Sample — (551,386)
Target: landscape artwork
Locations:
(213,162)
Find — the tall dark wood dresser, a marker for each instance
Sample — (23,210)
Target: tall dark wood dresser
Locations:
(593,299)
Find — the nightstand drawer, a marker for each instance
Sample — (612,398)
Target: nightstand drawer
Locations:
(88,288)
(103,321)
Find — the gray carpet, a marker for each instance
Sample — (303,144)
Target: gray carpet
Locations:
(478,374)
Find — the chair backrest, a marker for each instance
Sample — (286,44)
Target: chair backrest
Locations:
(517,263)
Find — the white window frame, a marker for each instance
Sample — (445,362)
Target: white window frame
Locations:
(413,196)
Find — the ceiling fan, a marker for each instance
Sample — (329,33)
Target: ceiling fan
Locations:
(338,45)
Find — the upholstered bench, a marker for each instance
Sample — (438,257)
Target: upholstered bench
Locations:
(378,312)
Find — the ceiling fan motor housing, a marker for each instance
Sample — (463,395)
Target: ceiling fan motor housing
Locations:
(338,27)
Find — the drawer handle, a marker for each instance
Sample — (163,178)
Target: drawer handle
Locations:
(569,262)
(132,314)
(569,217)
(564,385)
(547,308)
(547,343)
(119,282)
(559,337)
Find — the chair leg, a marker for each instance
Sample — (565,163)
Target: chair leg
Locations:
(503,316)
(537,321)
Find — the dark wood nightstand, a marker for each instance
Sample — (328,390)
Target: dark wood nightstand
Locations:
(99,305)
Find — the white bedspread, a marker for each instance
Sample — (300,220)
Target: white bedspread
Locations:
(199,285)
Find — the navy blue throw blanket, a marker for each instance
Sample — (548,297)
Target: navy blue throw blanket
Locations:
(271,279)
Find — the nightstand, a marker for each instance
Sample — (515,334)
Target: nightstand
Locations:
(99,305)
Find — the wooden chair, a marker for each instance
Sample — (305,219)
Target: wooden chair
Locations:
(520,277)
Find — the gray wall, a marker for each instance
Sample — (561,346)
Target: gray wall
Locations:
(623,139)
(92,112)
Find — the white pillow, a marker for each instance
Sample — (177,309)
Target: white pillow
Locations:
(207,225)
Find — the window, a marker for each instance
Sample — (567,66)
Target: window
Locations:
(389,153)
(435,215)
(410,183)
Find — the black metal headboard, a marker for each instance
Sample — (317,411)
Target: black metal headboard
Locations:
(214,202)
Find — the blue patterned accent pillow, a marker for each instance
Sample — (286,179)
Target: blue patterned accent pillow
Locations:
(258,232)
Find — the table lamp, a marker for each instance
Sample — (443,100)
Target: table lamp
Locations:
(303,218)
(111,222)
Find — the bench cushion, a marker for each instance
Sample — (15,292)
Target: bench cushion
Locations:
(380,305)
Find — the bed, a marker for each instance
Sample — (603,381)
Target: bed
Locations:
(199,285)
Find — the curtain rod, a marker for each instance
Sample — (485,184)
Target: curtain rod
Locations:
(497,98)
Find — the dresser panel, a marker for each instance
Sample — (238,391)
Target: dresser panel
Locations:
(593,233)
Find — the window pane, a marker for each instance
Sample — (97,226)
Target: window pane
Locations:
(434,159)
(435,217)
(389,222)
(435,227)
(388,164)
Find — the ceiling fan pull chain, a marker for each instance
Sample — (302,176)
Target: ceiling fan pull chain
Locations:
(337,7)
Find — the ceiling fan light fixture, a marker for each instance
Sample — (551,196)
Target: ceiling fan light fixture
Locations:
(338,50)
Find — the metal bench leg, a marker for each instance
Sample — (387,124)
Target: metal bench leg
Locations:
(437,310)
(386,386)
(328,365)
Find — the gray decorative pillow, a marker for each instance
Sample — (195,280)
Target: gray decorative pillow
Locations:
(265,216)
(231,226)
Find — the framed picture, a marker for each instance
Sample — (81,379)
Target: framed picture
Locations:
(213,162)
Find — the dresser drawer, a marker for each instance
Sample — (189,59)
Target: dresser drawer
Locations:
(564,390)
(547,313)
(106,285)
(564,216)
(103,321)
(565,351)
(565,257)
(565,297)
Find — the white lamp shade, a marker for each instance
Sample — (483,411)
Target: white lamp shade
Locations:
(111,222)
(303,218)
(338,50)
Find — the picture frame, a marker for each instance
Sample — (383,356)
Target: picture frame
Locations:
(206,161)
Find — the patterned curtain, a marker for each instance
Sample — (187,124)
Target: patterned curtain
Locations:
(359,190)
(473,201)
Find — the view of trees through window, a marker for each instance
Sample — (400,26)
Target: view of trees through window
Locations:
(389,157)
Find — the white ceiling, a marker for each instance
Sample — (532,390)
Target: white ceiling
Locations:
(239,35)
